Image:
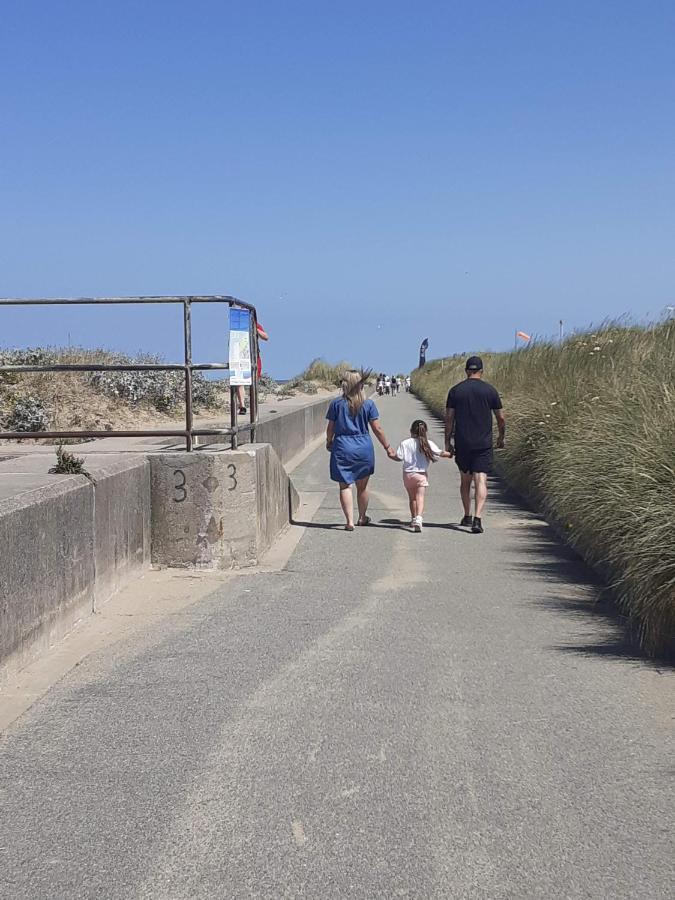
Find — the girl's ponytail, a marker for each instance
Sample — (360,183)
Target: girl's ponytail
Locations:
(418,429)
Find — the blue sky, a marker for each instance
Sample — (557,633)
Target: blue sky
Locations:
(366,173)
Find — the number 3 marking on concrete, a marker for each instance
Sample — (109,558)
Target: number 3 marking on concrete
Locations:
(232,476)
(179,489)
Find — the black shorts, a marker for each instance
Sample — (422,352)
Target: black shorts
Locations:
(474,460)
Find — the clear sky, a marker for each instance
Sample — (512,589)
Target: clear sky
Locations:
(367,173)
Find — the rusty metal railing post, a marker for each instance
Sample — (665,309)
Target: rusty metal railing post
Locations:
(234,400)
(187,334)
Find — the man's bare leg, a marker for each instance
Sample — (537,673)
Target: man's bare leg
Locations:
(480,482)
(465,491)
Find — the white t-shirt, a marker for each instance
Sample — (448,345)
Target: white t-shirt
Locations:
(413,458)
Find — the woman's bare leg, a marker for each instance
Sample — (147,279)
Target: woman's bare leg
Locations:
(362,497)
(241,396)
(347,503)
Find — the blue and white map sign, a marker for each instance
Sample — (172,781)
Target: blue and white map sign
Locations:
(240,346)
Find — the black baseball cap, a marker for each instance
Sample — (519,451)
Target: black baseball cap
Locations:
(474,364)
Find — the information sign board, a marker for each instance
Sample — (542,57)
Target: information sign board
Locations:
(240,347)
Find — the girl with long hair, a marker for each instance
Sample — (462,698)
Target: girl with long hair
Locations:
(352,456)
(416,452)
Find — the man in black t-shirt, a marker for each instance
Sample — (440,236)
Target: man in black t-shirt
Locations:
(468,416)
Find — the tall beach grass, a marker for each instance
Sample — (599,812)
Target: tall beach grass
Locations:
(325,373)
(591,441)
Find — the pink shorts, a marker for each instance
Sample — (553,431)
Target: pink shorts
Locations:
(414,480)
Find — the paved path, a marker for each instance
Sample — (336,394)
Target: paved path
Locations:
(392,715)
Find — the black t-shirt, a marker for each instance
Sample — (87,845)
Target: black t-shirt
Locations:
(473,401)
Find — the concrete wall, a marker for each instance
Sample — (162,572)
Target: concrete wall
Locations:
(121,522)
(292,432)
(47,567)
(218,509)
(277,500)
(66,544)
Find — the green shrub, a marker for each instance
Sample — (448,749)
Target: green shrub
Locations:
(591,440)
(267,384)
(28,413)
(163,390)
(68,464)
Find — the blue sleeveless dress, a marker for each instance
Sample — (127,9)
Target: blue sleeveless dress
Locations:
(352,454)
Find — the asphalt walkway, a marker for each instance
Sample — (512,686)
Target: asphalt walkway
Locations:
(390,715)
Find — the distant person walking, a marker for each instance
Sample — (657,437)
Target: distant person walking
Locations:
(468,434)
(261,335)
(352,456)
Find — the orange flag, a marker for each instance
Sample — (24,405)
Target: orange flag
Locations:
(525,337)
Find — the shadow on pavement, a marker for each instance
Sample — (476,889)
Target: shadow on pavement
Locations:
(587,599)
(405,525)
(340,526)
(331,526)
(396,524)
(450,526)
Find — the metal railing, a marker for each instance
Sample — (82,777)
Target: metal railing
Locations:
(189,433)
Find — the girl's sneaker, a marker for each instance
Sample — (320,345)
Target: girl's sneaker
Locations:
(417,524)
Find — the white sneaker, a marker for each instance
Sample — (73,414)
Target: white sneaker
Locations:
(417,524)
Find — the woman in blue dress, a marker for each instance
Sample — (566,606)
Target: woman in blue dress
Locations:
(352,457)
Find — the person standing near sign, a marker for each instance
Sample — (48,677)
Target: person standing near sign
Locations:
(261,335)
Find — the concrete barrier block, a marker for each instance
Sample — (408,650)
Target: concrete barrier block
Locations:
(202,506)
(218,509)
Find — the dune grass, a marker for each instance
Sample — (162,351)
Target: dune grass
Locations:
(324,373)
(591,441)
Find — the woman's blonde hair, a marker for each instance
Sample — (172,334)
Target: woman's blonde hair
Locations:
(352,389)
